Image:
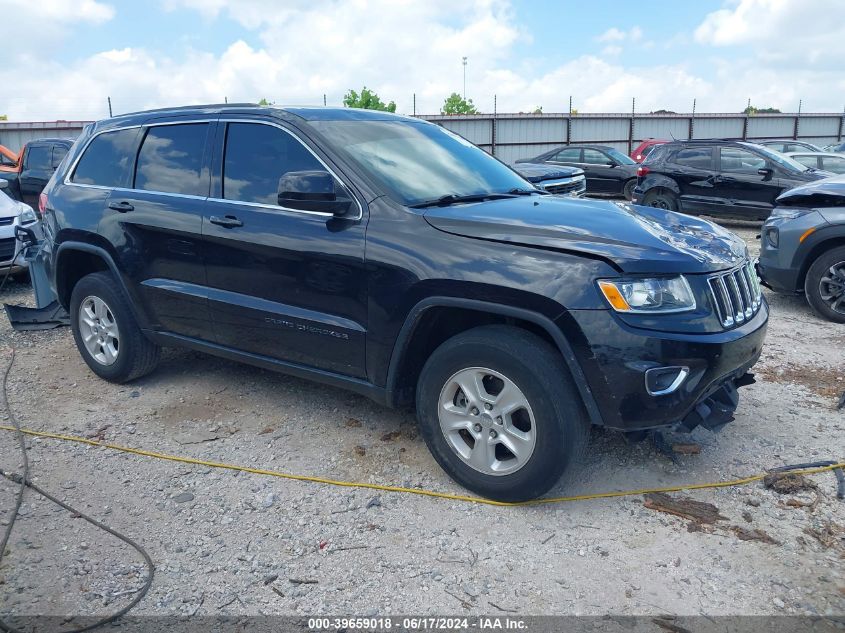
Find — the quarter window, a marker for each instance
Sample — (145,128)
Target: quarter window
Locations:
(108,159)
(170,160)
(59,153)
(256,157)
(739,160)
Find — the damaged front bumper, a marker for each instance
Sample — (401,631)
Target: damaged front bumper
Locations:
(715,366)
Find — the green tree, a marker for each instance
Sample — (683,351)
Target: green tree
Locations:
(367,100)
(538,110)
(264,102)
(752,110)
(456,104)
(4,117)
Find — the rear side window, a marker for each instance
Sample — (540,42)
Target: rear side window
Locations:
(834,164)
(59,153)
(170,160)
(737,160)
(256,157)
(38,157)
(595,157)
(809,161)
(107,160)
(695,157)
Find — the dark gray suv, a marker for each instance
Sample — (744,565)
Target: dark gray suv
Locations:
(803,246)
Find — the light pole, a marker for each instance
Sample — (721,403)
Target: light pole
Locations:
(465,78)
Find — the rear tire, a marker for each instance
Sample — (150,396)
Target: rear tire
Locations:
(534,409)
(628,189)
(661,199)
(825,285)
(106,333)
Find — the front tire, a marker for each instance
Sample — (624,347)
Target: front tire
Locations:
(661,199)
(499,412)
(106,333)
(825,285)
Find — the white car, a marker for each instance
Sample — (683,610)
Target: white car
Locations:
(12,214)
(826,161)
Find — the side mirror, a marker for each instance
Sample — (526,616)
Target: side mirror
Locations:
(3,183)
(766,172)
(313,191)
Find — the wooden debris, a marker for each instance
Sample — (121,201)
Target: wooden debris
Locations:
(360,451)
(353,422)
(745,534)
(303,581)
(830,535)
(788,483)
(684,507)
(389,437)
(266,430)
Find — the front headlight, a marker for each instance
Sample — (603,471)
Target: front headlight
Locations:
(28,216)
(649,296)
(789,213)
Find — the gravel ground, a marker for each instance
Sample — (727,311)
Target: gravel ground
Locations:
(229,543)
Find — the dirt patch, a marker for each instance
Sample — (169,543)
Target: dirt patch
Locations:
(827,382)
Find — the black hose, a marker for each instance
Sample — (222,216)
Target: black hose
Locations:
(24,481)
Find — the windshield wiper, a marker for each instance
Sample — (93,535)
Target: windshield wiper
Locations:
(527,192)
(451,198)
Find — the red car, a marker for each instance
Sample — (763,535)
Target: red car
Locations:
(644,149)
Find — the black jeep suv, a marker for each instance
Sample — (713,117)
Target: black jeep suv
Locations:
(721,178)
(391,257)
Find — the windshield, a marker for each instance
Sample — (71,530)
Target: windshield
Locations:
(418,162)
(620,158)
(784,161)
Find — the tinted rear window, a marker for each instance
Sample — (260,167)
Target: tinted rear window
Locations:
(696,157)
(38,157)
(170,160)
(107,159)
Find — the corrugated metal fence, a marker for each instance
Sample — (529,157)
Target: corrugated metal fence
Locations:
(15,135)
(513,136)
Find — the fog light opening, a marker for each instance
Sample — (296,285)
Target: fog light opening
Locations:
(661,381)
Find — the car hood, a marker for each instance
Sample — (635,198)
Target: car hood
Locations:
(538,172)
(636,239)
(818,190)
(9,207)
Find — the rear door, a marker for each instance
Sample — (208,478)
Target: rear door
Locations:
(745,190)
(693,169)
(283,283)
(155,224)
(35,171)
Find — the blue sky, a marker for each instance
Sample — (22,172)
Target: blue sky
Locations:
(69,56)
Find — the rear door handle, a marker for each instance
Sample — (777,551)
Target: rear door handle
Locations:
(122,206)
(229,221)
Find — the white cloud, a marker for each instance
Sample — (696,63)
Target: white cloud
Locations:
(59,10)
(401,47)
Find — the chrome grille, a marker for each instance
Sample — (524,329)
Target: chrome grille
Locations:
(736,294)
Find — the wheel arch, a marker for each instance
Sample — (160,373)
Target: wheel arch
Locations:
(814,246)
(413,344)
(75,260)
(659,181)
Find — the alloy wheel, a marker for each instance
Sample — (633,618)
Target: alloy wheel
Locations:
(99,330)
(832,287)
(487,421)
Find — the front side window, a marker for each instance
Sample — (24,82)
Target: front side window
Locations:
(736,160)
(107,160)
(570,155)
(170,160)
(417,162)
(38,157)
(695,157)
(595,157)
(256,157)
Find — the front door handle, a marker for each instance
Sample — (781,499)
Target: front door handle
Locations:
(122,206)
(229,221)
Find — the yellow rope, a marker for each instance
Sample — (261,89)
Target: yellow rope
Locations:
(413,491)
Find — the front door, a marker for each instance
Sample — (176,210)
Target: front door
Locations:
(282,283)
